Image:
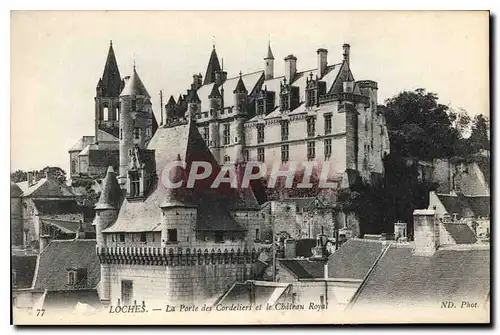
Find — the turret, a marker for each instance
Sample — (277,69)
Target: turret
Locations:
(108,205)
(136,121)
(240,96)
(269,63)
(170,109)
(178,210)
(215,99)
(193,104)
(240,104)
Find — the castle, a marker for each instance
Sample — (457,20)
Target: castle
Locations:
(151,238)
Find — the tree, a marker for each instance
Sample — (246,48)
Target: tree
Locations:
(479,138)
(419,126)
(56,172)
(18,176)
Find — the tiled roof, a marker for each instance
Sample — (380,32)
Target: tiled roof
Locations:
(24,266)
(354,258)
(134,86)
(186,142)
(303,268)
(59,206)
(403,279)
(460,232)
(60,256)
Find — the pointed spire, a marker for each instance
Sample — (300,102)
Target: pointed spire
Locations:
(111,192)
(212,68)
(240,86)
(111,79)
(134,86)
(269,51)
(171,101)
(180,100)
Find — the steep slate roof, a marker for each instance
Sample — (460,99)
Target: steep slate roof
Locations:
(269,52)
(111,194)
(82,143)
(354,258)
(25,270)
(15,190)
(460,232)
(403,279)
(186,142)
(111,80)
(67,227)
(466,206)
(59,206)
(47,187)
(212,67)
(303,268)
(134,86)
(61,255)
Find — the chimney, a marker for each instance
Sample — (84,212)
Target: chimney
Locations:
(290,248)
(426,231)
(49,175)
(322,62)
(290,68)
(401,231)
(80,234)
(197,81)
(325,270)
(31,179)
(346,47)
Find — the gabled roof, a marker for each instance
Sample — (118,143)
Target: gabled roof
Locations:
(111,80)
(460,232)
(404,280)
(47,187)
(57,206)
(134,86)
(184,141)
(171,101)
(212,68)
(15,190)
(82,143)
(62,255)
(240,87)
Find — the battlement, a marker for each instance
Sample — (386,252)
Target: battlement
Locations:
(175,256)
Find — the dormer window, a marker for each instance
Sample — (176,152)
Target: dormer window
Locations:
(134,184)
(134,105)
(71,277)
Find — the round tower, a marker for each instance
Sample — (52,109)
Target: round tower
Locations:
(240,94)
(135,121)
(179,213)
(269,63)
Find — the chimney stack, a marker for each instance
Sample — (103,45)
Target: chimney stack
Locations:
(80,234)
(290,68)
(290,248)
(322,62)
(346,47)
(426,231)
(31,179)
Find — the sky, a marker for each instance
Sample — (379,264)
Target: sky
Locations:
(58,57)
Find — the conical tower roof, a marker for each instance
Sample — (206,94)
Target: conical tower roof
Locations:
(269,52)
(134,86)
(212,68)
(177,197)
(111,80)
(15,190)
(111,192)
(240,86)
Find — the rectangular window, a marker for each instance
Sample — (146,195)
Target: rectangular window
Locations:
(134,105)
(127,292)
(328,124)
(260,133)
(227,134)
(328,148)
(260,154)
(284,153)
(284,130)
(137,133)
(112,237)
(134,184)
(246,155)
(226,158)
(143,237)
(285,103)
(122,237)
(257,235)
(311,126)
(310,98)
(311,150)
(71,278)
(206,135)
(121,134)
(172,235)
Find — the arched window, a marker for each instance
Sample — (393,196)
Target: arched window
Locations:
(106,113)
(73,166)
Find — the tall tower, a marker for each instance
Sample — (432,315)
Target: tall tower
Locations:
(107,102)
(136,121)
(240,104)
(269,63)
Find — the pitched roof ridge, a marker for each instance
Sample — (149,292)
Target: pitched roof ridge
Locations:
(246,74)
